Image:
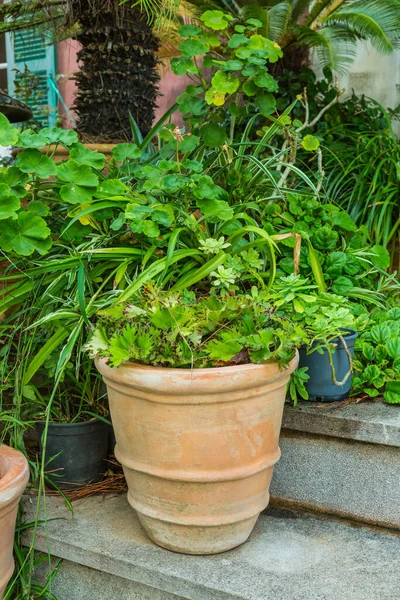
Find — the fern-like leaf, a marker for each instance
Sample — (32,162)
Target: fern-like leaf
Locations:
(278,20)
(377,21)
(335,48)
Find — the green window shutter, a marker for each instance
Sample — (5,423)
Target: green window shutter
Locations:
(27,53)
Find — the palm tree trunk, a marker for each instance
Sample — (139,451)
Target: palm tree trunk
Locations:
(118,71)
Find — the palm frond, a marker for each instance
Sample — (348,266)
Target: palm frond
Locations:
(335,48)
(157,11)
(377,21)
(300,8)
(321,9)
(278,20)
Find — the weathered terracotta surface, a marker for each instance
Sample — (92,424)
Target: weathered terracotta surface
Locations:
(14,475)
(198,448)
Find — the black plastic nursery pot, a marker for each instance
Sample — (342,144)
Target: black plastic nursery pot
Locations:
(79,451)
(320,386)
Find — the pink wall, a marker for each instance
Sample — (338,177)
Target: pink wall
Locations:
(67,64)
(170,86)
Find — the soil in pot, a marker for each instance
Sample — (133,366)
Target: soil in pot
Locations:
(198,448)
(320,386)
(14,476)
(78,452)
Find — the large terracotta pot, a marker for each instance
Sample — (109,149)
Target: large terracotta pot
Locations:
(14,475)
(198,448)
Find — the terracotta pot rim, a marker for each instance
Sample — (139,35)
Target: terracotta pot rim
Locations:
(198,370)
(163,384)
(16,477)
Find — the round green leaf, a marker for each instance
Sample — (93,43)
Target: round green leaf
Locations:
(9,203)
(31,139)
(216,19)
(33,161)
(192,47)
(8,133)
(183,66)
(342,285)
(190,104)
(266,81)
(56,135)
(310,143)
(122,152)
(266,103)
(16,180)
(79,153)
(213,135)
(26,234)
(38,207)
(189,30)
(225,83)
(75,173)
(76,194)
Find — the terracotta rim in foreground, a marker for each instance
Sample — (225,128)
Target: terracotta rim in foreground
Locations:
(14,476)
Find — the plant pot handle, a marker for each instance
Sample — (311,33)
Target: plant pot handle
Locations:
(349,372)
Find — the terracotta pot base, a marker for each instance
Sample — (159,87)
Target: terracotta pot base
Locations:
(198,448)
(197,540)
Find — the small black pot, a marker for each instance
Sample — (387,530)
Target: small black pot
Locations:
(80,450)
(320,386)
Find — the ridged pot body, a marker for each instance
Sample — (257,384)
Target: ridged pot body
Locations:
(198,448)
(14,476)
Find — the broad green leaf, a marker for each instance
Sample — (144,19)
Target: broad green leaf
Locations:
(266,81)
(76,194)
(183,66)
(111,187)
(250,88)
(213,97)
(56,135)
(32,139)
(190,104)
(80,154)
(189,31)
(216,19)
(380,257)
(232,65)
(77,174)
(266,103)
(310,143)
(213,135)
(223,351)
(25,235)
(225,83)
(16,180)
(8,133)
(215,210)
(192,47)
(342,285)
(9,203)
(33,161)
(122,152)
(238,39)
(38,207)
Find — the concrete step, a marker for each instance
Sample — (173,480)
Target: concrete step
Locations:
(341,461)
(289,556)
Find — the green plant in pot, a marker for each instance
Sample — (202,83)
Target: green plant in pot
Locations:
(326,359)
(77,436)
(196,379)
